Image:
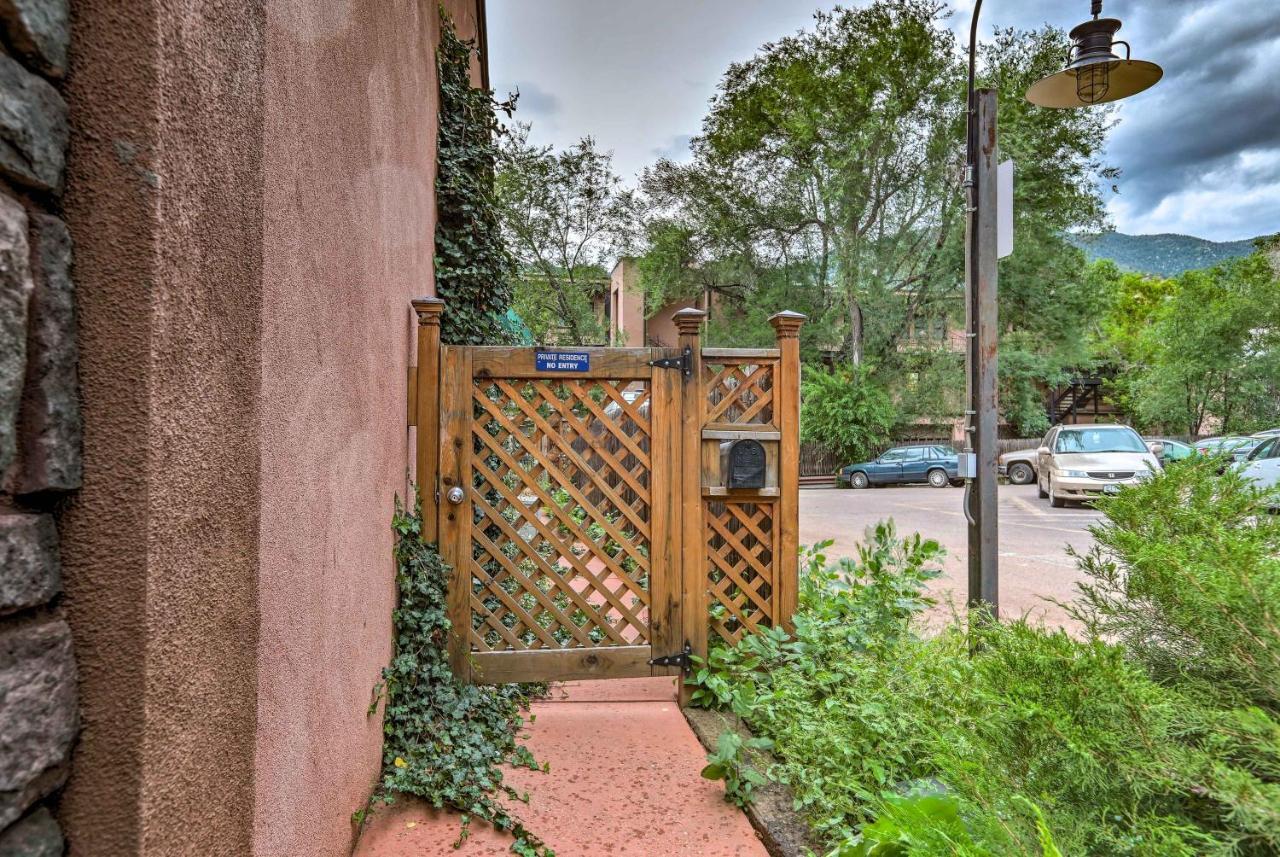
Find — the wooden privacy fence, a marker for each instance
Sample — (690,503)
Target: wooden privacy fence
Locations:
(607,511)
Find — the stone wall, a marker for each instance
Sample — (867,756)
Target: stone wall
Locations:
(40,427)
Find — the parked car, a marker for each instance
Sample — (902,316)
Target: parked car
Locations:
(1019,466)
(936,465)
(1170,450)
(1262,466)
(1271,432)
(1235,446)
(1077,462)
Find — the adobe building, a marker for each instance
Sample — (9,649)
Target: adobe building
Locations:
(628,324)
(212,220)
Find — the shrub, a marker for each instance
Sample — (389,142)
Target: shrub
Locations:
(1012,739)
(846,409)
(1186,574)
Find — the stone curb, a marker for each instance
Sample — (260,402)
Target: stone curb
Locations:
(783,832)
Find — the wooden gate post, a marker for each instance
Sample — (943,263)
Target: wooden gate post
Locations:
(692,539)
(426,411)
(786,397)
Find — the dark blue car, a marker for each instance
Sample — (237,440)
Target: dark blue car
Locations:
(937,465)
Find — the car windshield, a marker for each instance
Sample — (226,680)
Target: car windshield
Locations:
(1099,440)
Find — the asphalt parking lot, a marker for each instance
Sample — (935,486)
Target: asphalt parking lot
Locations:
(1034,565)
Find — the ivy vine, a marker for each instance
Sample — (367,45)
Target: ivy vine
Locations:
(444,741)
(474,270)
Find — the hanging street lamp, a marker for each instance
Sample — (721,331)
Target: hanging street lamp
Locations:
(1095,74)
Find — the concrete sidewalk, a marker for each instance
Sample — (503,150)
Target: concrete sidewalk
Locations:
(624,780)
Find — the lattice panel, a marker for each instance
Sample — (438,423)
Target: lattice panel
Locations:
(740,567)
(560,542)
(739,392)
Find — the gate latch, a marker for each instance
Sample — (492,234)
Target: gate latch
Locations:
(685,364)
(682,659)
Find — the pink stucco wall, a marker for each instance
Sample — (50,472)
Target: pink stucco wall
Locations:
(626,320)
(349,214)
(250,189)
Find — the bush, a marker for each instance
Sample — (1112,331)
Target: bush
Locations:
(1012,739)
(847,410)
(1186,574)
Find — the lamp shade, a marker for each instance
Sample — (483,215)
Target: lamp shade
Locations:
(1094,74)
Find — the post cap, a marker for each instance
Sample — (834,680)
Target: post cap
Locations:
(787,323)
(429,310)
(688,320)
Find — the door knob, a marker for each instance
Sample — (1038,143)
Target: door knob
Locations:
(456,495)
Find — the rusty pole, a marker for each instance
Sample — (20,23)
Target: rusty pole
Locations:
(981,278)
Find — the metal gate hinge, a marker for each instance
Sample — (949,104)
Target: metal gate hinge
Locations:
(684,362)
(682,659)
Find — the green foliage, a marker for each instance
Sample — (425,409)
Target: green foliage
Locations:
(1007,739)
(729,762)
(826,180)
(846,409)
(473,268)
(567,218)
(1186,574)
(443,741)
(1212,348)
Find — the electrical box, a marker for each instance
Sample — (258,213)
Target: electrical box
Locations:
(967,467)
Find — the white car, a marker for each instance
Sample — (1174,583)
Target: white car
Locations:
(1077,462)
(1263,464)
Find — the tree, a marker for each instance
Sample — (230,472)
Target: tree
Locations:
(566,217)
(1212,349)
(846,410)
(828,174)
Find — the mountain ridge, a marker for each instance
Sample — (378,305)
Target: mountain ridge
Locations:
(1167,254)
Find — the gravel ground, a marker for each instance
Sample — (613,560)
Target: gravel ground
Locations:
(1034,565)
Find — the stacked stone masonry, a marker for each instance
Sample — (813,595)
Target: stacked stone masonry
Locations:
(40,429)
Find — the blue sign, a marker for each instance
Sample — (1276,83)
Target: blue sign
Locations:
(562,361)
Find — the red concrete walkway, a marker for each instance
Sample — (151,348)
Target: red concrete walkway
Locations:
(624,782)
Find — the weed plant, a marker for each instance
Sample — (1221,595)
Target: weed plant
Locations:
(1153,733)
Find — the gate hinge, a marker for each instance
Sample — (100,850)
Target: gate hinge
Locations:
(684,362)
(682,659)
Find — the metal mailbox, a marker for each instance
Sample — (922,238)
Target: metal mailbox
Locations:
(743,464)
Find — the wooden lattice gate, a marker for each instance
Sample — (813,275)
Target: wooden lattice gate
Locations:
(607,510)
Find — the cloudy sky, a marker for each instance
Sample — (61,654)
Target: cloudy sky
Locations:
(1200,153)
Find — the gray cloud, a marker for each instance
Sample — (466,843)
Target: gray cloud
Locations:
(1200,152)
(536,102)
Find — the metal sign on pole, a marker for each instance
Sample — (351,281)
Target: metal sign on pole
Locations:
(1004,210)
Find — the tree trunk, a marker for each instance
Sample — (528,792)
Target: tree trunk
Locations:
(855,331)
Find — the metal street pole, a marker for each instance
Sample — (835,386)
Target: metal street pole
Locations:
(980,276)
(981,282)
(1095,74)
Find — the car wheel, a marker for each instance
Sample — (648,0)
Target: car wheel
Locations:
(1054,500)
(1021,474)
(938,478)
(858,480)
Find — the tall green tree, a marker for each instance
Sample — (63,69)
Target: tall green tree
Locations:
(1212,351)
(566,217)
(829,170)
